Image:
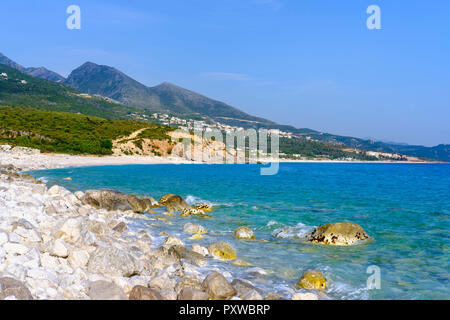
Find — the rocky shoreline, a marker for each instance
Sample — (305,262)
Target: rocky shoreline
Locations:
(55,244)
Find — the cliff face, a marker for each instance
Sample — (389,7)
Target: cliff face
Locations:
(181,145)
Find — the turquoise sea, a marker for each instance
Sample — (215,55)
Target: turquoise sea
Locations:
(404,207)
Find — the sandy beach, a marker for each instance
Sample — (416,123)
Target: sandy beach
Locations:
(29,159)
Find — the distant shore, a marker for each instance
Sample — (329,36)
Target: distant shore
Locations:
(29,159)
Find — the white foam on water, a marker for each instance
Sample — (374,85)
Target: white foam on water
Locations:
(299,231)
(193,200)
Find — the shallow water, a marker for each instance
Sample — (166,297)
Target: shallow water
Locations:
(405,207)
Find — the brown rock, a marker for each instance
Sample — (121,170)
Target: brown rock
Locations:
(244,288)
(180,252)
(218,287)
(144,293)
(192,294)
(13,287)
(120,227)
(338,234)
(104,290)
(174,203)
(115,200)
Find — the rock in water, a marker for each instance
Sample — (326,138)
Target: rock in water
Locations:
(244,232)
(194,228)
(114,200)
(172,241)
(104,290)
(163,199)
(114,262)
(12,287)
(205,207)
(339,234)
(192,294)
(218,287)
(312,280)
(174,202)
(222,250)
(144,293)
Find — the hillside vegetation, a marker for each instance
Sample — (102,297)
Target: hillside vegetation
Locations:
(62,132)
(44,94)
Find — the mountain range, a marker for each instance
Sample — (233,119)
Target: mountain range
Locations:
(39,72)
(106,81)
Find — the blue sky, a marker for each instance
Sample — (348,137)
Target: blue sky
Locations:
(308,63)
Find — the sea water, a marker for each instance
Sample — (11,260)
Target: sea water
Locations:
(404,207)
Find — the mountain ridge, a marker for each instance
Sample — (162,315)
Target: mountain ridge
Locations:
(38,72)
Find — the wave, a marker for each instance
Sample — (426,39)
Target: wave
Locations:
(299,231)
(193,200)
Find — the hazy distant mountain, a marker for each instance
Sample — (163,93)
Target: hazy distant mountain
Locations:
(166,97)
(44,73)
(40,72)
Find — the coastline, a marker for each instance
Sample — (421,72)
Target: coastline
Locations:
(28,159)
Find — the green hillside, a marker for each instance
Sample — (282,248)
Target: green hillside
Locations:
(63,132)
(44,94)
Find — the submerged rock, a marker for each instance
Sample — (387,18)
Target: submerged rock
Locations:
(222,250)
(244,232)
(241,263)
(115,200)
(218,287)
(339,234)
(312,280)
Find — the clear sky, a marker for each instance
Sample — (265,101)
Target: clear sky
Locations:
(307,63)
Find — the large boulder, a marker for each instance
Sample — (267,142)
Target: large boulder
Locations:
(218,287)
(312,280)
(338,234)
(12,287)
(244,232)
(222,250)
(144,293)
(114,262)
(174,202)
(115,200)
